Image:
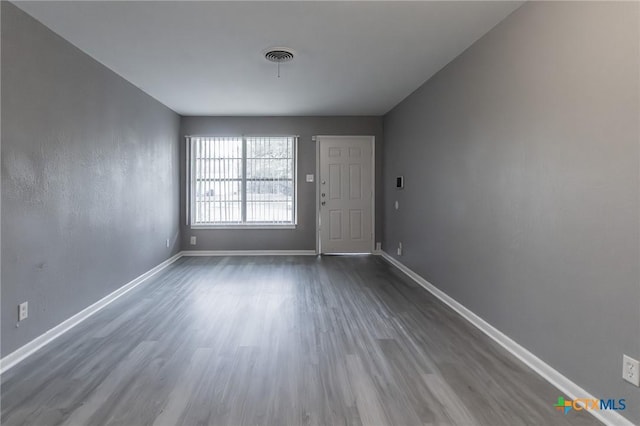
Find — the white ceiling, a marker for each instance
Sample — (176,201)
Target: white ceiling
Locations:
(206,58)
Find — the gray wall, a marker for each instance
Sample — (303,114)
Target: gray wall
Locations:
(89,179)
(522,184)
(303,237)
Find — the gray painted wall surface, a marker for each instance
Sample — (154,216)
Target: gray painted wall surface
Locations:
(521,186)
(89,179)
(303,237)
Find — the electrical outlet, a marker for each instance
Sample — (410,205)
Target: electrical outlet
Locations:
(167,243)
(631,370)
(193,240)
(23,311)
(399,249)
(397,205)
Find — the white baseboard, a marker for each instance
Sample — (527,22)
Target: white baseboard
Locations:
(249,253)
(21,353)
(564,384)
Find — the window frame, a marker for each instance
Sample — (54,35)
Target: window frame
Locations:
(191,187)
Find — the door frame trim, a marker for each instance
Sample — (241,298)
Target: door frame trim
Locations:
(317,139)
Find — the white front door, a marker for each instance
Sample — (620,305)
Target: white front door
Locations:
(346,194)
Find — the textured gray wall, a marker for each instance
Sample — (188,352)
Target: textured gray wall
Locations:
(89,179)
(303,237)
(522,184)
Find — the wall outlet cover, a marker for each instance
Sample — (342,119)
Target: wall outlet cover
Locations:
(193,240)
(167,242)
(309,178)
(23,311)
(631,370)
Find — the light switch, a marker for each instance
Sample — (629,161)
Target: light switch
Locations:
(309,178)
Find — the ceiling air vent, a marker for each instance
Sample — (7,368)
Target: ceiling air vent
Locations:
(279,55)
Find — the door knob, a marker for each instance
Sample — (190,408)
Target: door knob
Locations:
(324,182)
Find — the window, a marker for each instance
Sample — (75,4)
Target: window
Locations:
(242,181)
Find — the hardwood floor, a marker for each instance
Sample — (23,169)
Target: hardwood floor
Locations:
(278,341)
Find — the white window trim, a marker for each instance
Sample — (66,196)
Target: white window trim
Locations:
(190,188)
(247,226)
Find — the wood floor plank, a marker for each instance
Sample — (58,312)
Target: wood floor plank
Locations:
(368,401)
(179,398)
(453,409)
(277,341)
(111,389)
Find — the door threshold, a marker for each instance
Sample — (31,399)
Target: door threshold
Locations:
(346,254)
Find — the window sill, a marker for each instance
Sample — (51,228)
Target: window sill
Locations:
(255,227)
